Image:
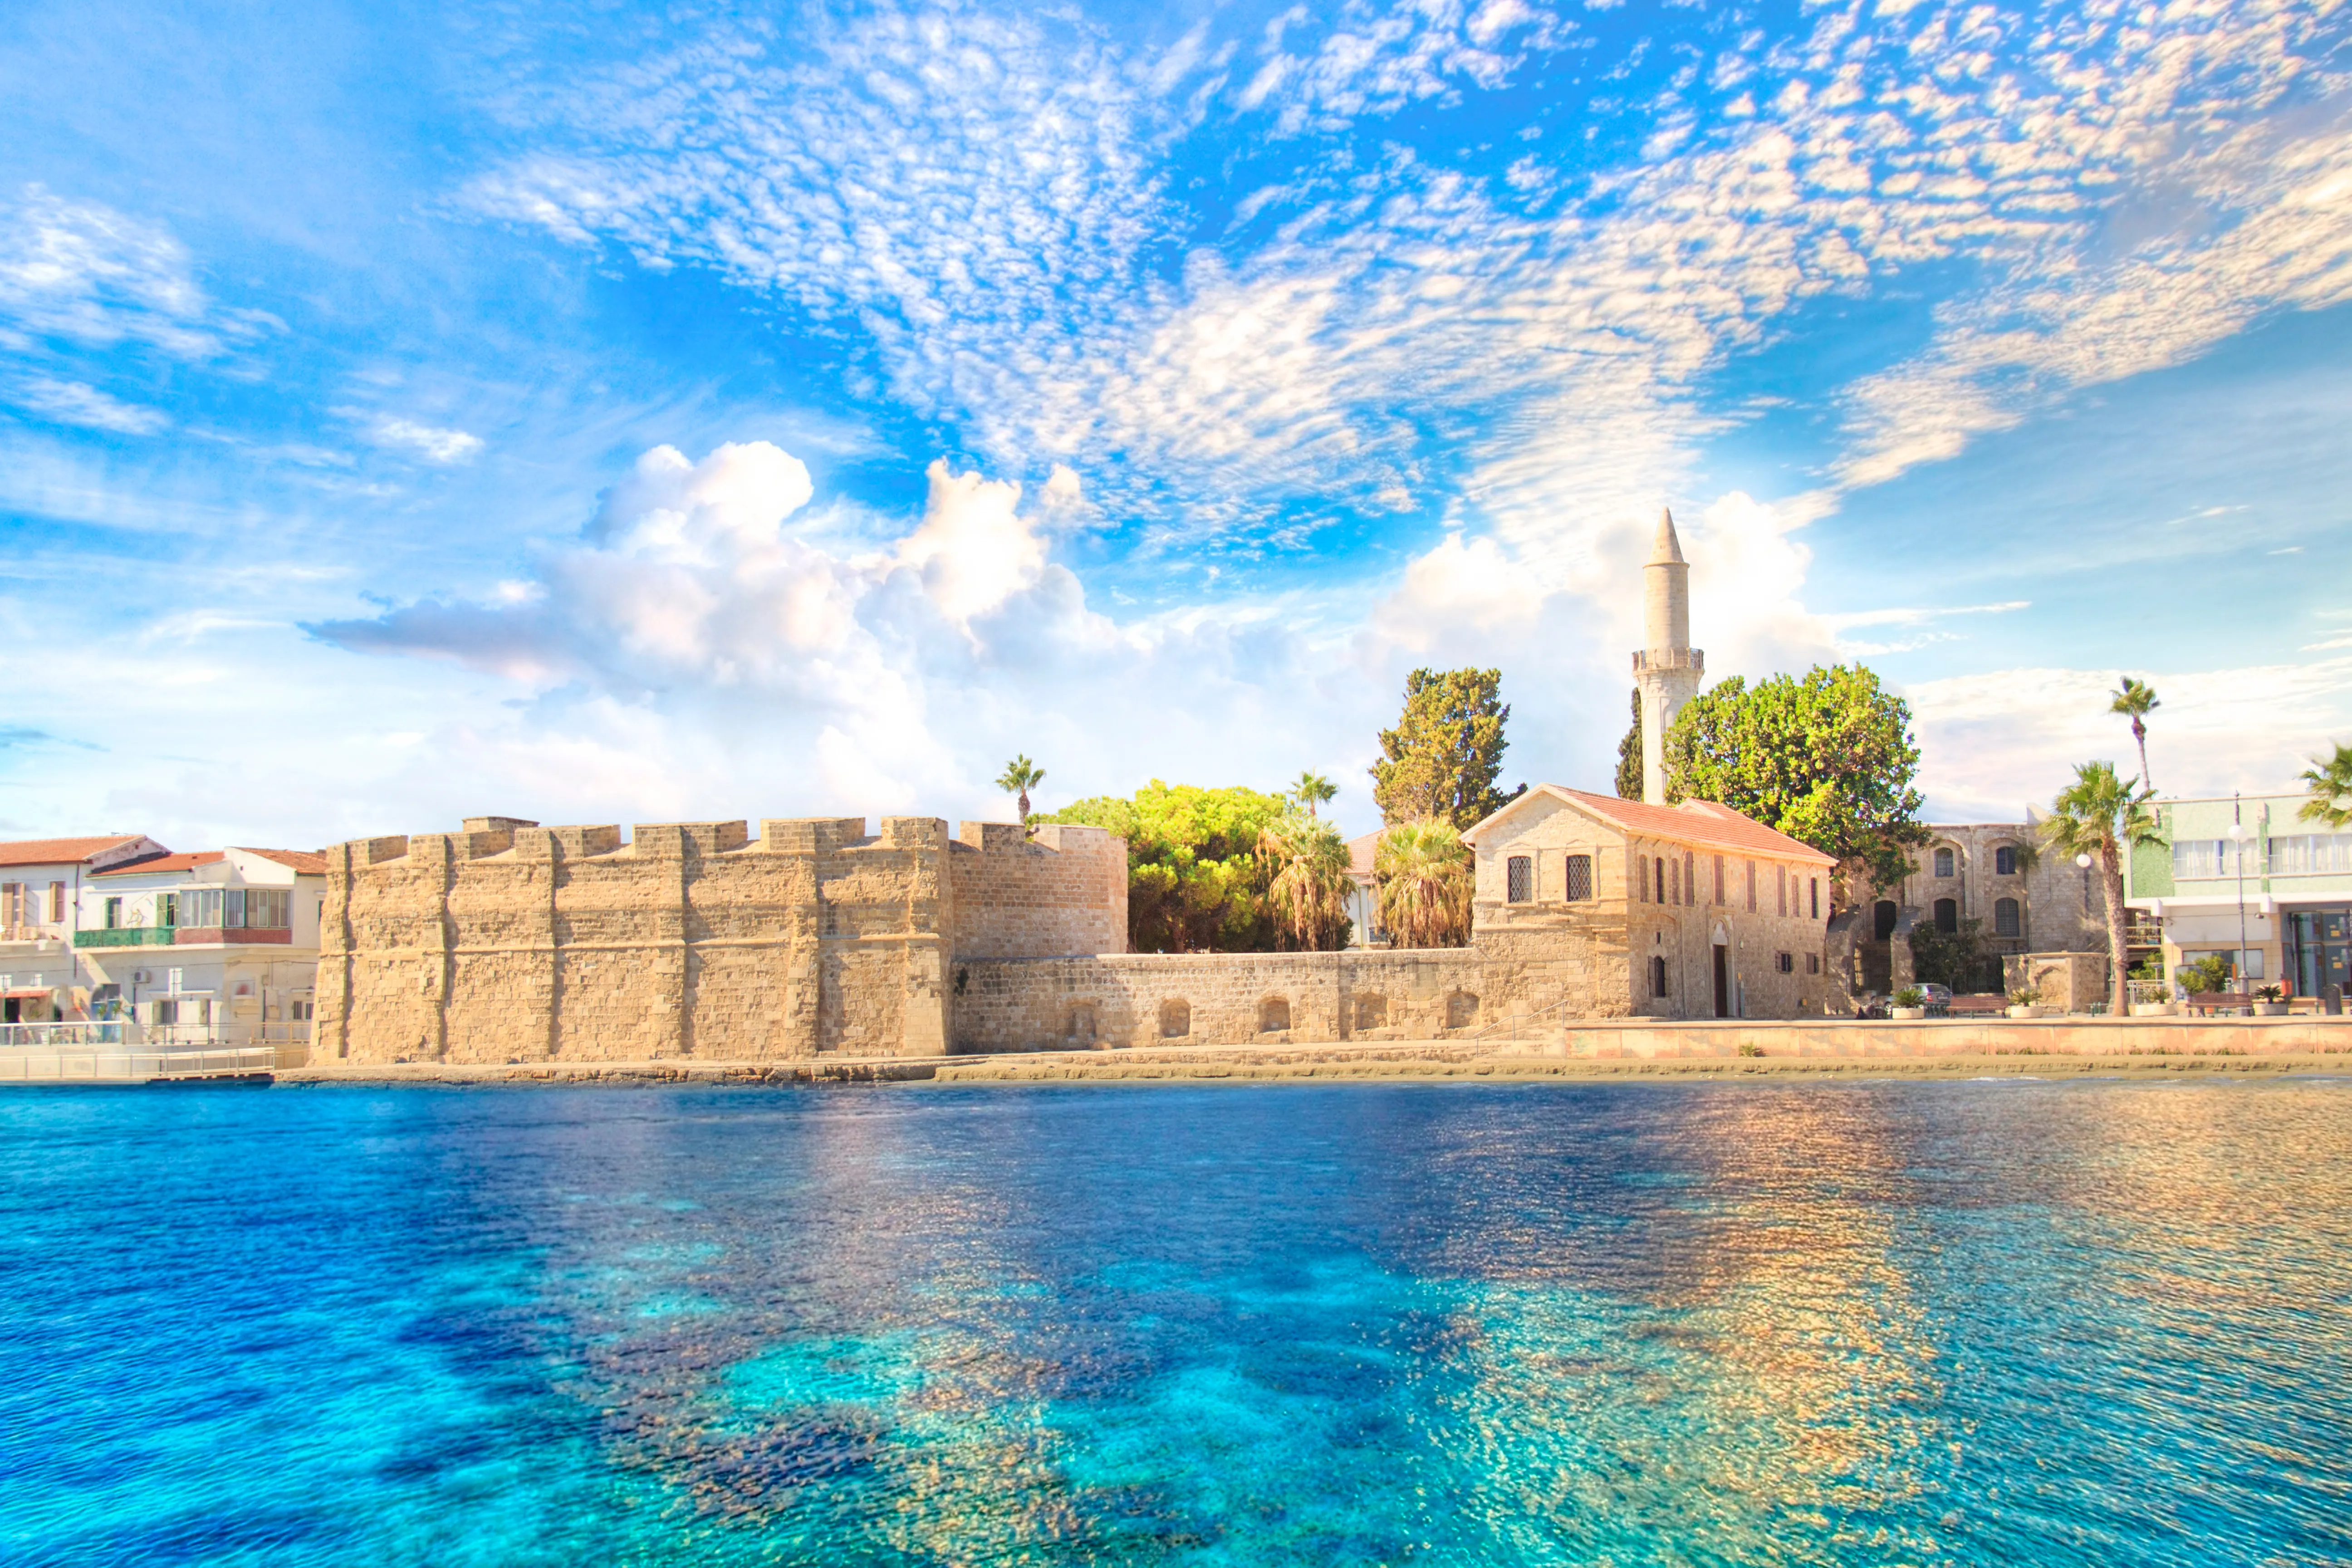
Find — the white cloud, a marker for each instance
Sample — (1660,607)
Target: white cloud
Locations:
(84,272)
(431,443)
(1996,742)
(77,404)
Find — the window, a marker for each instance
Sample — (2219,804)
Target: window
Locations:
(1719,888)
(1781,886)
(1577,874)
(1639,867)
(167,908)
(114,914)
(1670,874)
(1815,884)
(2301,854)
(12,903)
(2004,860)
(2004,918)
(57,902)
(301,1009)
(1660,866)
(1947,914)
(1690,878)
(1786,963)
(1519,878)
(1751,886)
(1944,864)
(1812,964)
(1657,977)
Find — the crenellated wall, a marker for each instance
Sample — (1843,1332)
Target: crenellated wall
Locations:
(507,941)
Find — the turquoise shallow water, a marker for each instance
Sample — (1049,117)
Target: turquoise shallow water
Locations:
(1996,1323)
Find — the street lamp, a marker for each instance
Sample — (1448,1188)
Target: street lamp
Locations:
(2238,852)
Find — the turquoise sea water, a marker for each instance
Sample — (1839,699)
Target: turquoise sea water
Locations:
(1965,1323)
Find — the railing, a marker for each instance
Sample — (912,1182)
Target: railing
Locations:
(144,1064)
(1669,659)
(127,936)
(61,1034)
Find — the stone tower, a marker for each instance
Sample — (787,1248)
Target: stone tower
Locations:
(1667,670)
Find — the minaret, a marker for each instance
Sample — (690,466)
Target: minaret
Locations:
(1668,670)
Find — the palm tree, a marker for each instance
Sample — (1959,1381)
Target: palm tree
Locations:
(1312,790)
(2329,780)
(1425,881)
(1307,894)
(2104,817)
(1020,776)
(2134,699)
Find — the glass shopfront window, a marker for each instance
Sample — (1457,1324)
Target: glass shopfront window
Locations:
(2319,950)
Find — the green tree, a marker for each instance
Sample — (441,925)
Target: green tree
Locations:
(1195,879)
(2135,699)
(1020,776)
(1826,758)
(1313,791)
(1961,961)
(1307,888)
(2105,817)
(1426,878)
(1629,755)
(1443,758)
(2329,782)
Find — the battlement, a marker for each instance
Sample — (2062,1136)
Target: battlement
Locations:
(505,941)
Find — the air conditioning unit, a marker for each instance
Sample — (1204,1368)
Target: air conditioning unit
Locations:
(140,977)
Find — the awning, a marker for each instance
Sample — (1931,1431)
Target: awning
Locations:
(39,994)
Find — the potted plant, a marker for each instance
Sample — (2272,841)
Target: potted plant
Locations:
(2021,1003)
(1908,1003)
(2270,1002)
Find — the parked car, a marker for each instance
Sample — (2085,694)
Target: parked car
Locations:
(1937,996)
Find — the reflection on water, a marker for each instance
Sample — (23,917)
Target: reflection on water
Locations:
(1629,1324)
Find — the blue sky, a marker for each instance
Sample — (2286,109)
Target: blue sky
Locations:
(632,414)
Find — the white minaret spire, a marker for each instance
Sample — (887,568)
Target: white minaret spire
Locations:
(1668,670)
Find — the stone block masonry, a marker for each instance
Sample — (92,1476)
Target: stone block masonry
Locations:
(507,941)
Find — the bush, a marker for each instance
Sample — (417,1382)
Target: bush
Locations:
(1909,996)
(2208,974)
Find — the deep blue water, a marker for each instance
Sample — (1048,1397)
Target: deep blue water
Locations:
(1982,1323)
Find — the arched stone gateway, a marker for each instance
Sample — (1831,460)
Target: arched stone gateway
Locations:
(1273,1016)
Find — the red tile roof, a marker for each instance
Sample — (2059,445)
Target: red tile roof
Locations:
(303,862)
(61,851)
(162,863)
(1696,822)
(1360,852)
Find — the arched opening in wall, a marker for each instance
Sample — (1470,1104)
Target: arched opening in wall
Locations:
(1461,1010)
(2004,860)
(1372,1012)
(1080,1029)
(1946,863)
(1882,919)
(1657,977)
(1175,1019)
(1273,1016)
(2006,920)
(1947,914)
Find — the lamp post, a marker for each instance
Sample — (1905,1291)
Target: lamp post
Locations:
(2238,853)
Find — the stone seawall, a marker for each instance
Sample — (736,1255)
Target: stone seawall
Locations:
(1130,1000)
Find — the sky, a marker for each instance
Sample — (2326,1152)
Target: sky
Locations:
(610,413)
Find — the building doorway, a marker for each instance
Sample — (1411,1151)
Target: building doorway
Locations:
(1722,981)
(1882,919)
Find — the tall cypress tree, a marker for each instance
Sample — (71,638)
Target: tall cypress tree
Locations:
(1443,758)
(1629,755)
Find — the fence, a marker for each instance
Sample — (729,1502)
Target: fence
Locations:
(143,1064)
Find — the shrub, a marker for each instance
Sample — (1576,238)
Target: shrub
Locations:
(1909,996)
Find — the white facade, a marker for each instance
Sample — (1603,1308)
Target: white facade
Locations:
(40,894)
(222,945)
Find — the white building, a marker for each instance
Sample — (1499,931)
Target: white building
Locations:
(41,882)
(222,945)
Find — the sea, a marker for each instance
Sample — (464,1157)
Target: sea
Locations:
(2000,1323)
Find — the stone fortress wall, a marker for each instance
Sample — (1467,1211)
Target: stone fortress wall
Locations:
(507,941)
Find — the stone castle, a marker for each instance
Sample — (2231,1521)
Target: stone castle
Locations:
(507,941)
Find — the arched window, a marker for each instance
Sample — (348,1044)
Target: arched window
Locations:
(1657,977)
(2004,860)
(1945,863)
(2004,918)
(1947,914)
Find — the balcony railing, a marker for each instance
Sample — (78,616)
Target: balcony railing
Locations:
(127,936)
(1669,659)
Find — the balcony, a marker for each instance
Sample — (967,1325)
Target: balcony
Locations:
(127,936)
(1669,659)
